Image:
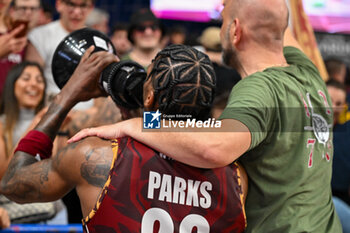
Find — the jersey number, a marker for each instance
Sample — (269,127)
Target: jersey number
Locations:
(166,224)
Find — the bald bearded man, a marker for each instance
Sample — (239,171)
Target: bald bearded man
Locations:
(277,123)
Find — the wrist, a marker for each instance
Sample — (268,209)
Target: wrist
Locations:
(132,127)
(37,144)
(65,100)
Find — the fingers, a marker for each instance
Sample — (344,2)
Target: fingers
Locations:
(18,44)
(82,134)
(101,58)
(106,132)
(104,60)
(87,53)
(17,30)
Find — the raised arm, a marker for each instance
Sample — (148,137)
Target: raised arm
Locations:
(289,39)
(84,165)
(28,180)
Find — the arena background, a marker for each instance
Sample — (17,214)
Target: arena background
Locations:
(330,44)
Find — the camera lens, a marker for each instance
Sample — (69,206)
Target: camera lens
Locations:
(123,81)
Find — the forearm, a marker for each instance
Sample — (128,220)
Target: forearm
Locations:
(193,147)
(289,39)
(51,122)
(19,184)
(22,183)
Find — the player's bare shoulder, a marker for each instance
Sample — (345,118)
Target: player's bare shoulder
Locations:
(92,157)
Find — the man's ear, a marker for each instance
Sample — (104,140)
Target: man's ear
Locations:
(235,31)
(148,102)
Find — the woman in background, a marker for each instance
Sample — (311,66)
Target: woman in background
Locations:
(23,98)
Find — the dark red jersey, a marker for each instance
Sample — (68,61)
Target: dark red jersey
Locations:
(148,192)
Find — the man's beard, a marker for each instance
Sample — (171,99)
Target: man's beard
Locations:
(230,58)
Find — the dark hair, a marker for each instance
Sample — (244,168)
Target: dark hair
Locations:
(9,104)
(120,27)
(336,84)
(48,8)
(141,16)
(184,81)
(13,3)
(92,1)
(333,65)
(178,29)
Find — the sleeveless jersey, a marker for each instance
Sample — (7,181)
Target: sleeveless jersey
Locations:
(148,192)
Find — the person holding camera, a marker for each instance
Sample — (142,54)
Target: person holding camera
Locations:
(135,185)
(12,42)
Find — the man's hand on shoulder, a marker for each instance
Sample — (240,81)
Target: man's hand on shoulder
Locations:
(112,131)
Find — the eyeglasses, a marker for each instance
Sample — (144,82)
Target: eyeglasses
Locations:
(142,28)
(26,8)
(71,5)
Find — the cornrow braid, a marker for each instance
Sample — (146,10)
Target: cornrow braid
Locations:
(184,81)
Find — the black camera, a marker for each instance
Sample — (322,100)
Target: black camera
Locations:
(123,81)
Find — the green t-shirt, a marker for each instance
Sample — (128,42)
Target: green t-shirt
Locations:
(127,57)
(289,163)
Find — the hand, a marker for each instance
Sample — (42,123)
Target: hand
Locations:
(10,44)
(4,219)
(107,132)
(83,84)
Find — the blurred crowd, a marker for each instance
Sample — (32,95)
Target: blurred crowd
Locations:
(29,36)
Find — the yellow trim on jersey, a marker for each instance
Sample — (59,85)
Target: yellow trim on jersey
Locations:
(241,194)
(92,213)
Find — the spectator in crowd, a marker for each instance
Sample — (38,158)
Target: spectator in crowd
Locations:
(336,69)
(12,42)
(337,91)
(341,140)
(27,11)
(177,35)
(4,219)
(23,98)
(145,33)
(46,14)
(341,160)
(98,19)
(226,77)
(119,38)
(43,40)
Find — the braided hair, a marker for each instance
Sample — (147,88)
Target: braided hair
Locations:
(184,81)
